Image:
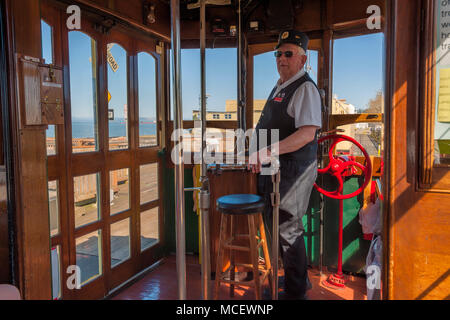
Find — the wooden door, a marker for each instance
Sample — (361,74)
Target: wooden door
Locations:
(104,172)
(417,228)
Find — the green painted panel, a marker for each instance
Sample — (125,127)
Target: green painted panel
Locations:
(355,248)
(169,213)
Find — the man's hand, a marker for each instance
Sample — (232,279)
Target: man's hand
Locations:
(256,160)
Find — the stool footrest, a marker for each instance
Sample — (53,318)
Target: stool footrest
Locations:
(249,283)
(263,273)
(243,236)
(229,245)
(235,247)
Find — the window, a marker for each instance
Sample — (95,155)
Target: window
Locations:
(435,115)
(119,191)
(56,272)
(83,92)
(358,89)
(149,228)
(53,207)
(149,182)
(221,82)
(86,199)
(147,100)
(89,256)
(117,97)
(47,55)
(47,42)
(120,242)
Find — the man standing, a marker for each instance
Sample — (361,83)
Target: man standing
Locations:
(294,109)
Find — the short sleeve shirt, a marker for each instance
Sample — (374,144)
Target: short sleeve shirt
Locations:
(305,105)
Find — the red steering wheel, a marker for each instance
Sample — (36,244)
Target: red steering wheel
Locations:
(339,167)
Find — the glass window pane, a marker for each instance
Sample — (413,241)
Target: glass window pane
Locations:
(50,135)
(53,207)
(117,97)
(357,83)
(190,83)
(147,100)
(120,242)
(369,135)
(83,92)
(149,228)
(358,88)
(119,191)
(56,272)
(86,196)
(47,42)
(265,76)
(47,55)
(149,182)
(89,256)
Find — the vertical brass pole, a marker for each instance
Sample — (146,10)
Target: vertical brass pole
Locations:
(204,193)
(179,166)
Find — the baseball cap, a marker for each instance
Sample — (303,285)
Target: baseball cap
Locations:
(295,37)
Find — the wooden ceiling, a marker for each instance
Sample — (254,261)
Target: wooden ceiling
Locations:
(310,16)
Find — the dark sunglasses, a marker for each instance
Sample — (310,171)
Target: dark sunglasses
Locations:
(287,54)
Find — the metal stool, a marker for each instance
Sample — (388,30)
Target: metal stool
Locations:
(239,205)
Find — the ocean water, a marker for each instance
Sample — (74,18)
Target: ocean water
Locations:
(117,128)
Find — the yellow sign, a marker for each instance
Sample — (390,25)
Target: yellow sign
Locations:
(112,62)
(444,96)
(109,96)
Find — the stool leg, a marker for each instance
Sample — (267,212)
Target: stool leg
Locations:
(265,248)
(232,262)
(254,255)
(219,262)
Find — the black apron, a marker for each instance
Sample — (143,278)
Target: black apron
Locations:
(298,171)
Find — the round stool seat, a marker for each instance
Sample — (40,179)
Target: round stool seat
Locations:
(237,204)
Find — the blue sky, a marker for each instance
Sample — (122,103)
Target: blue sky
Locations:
(358,70)
(357,74)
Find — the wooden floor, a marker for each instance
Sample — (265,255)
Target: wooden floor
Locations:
(161,284)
